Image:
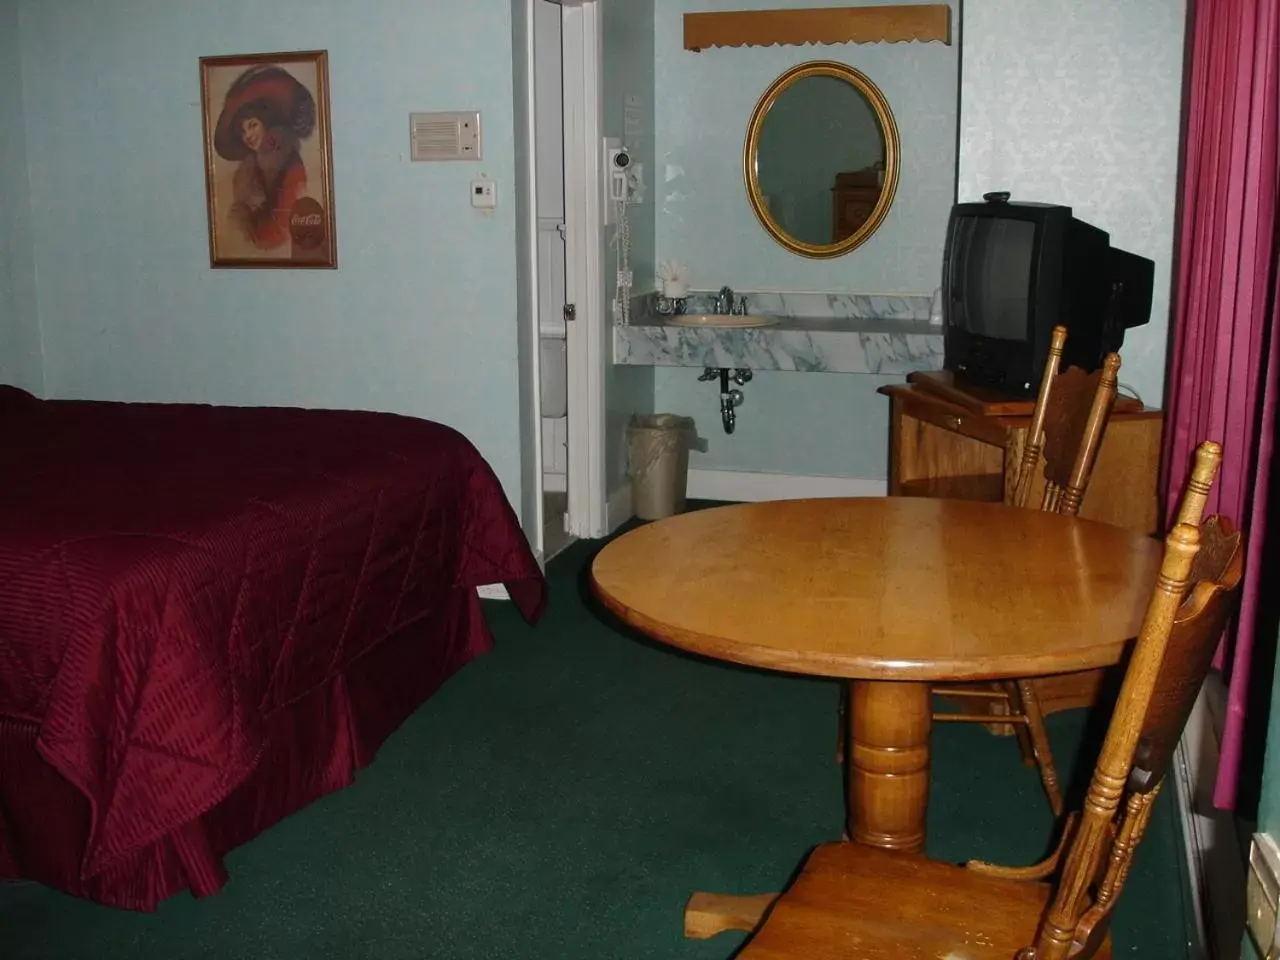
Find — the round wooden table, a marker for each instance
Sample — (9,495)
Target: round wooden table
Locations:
(891,594)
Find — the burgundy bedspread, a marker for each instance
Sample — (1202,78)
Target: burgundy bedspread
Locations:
(172,577)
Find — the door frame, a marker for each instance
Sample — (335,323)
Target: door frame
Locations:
(528,348)
(582,46)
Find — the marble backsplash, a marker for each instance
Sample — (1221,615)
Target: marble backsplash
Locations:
(815,333)
(787,304)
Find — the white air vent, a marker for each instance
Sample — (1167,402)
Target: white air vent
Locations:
(444,136)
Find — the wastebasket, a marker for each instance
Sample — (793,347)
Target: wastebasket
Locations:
(658,463)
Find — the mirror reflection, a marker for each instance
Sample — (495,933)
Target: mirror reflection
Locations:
(823,159)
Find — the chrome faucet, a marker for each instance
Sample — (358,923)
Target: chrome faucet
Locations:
(724,302)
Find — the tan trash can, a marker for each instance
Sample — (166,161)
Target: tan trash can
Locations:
(658,463)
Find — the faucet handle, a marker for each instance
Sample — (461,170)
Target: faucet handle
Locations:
(742,306)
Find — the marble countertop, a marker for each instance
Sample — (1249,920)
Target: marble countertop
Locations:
(886,325)
(898,343)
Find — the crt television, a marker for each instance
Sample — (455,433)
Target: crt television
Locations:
(1012,271)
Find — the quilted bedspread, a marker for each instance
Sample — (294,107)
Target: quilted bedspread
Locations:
(170,575)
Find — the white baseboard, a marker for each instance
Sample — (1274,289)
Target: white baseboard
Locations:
(742,486)
(618,510)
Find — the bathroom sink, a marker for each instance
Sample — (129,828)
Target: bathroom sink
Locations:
(722,321)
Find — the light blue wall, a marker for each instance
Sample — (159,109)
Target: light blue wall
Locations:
(1080,104)
(420,317)
(810,424)
(628,91)
(20,362)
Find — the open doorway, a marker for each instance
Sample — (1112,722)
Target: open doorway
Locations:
(562,328)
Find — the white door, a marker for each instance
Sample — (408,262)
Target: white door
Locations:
(582,49)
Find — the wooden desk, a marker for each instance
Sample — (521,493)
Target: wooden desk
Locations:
(947,439)
(892,594)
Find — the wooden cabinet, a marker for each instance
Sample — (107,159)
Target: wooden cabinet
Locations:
(950,440)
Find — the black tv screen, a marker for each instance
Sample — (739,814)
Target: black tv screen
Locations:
(992,275)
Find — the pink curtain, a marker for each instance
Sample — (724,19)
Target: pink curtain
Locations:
(1223,376)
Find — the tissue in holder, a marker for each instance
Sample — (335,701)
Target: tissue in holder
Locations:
(674,278)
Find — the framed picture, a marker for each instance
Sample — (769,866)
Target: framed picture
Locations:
(268,158)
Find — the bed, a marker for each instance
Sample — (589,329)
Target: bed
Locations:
(212,616)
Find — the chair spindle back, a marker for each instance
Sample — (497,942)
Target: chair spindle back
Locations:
(1190,605)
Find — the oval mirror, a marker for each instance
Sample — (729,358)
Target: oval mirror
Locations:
(821,159)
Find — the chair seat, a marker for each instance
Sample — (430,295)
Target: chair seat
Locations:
(855,902)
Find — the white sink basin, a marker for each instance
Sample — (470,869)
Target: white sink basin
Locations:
(721,321)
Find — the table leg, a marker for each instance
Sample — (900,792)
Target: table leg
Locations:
(888,768)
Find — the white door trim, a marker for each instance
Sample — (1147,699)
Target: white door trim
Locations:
(582,43)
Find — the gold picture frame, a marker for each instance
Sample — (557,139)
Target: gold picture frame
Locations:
(892,161)
(268,155)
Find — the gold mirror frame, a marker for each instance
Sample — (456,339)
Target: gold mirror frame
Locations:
(864,84)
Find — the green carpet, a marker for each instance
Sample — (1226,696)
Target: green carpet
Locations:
(561,797)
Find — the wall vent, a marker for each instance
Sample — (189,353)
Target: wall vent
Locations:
(444,136)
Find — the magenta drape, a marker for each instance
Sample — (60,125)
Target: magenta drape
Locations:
(1223,376)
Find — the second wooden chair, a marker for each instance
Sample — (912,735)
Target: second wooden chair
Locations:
(1067,426)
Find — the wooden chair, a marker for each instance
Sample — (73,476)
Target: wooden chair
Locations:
(854,901)
(1067,426)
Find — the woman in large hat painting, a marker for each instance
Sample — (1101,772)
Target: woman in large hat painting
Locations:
(265,114)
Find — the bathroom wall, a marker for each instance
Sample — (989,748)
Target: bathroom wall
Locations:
(628,92)
(20,361)
(806,424)
(420,316)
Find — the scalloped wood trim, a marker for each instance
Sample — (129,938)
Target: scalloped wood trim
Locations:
(763,28)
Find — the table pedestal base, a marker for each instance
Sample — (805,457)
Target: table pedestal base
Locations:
(888,767)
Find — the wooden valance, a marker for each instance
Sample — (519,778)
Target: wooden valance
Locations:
(764,28)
